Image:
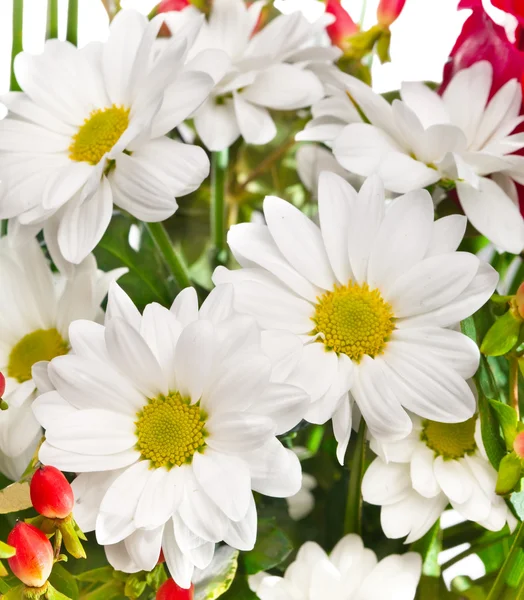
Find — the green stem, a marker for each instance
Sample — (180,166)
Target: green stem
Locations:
(72,22)
(52,20)
(18,21)
(353,519)
(175,263)
(500,581)
(219,164)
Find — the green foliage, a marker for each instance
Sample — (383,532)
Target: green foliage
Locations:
(272,548)
(509,474)
(502,335)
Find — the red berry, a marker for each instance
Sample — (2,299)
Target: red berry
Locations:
(2,384)
(171,591)
(518,444)
(33,560)
(51,494)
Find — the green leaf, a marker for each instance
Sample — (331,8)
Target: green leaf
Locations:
(240,590)
(516,573)
(6,551)
(508,420)
(156,577)
(101,575)
(509,476)
(490,430)
(429,547)
(147,273)
(502,335)
(271,548)
(108,591)
(382,47)
(135,585)
(64,582)
(54,594)
(218,577)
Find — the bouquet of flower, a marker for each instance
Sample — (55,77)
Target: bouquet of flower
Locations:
(261,328)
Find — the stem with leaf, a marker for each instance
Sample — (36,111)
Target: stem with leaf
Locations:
(500,582)
(353,518)
(72,22)
(18,21)
(219,165)
(174,262)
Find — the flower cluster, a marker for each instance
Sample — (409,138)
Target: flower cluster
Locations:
(336,341)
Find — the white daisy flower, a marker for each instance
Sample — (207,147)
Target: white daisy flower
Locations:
(462,137)
(373,294)
(36,308)
(265,70)
(89,133)
(170,419)
(350,572)
(413,480)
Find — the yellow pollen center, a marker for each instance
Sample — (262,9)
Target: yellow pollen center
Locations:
(353,320)
(98,134)
(42,344)
(170,430)
(450,440)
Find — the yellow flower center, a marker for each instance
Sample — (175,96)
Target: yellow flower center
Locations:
(450,440)
(42,344)
(98,134)
(170,430)
(353,320)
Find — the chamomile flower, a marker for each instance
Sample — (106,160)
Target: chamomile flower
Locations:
(36,308)
(89,132)
(373,294)
(350,572)
(461,137)
(170,419)
(413,480)
(264,70)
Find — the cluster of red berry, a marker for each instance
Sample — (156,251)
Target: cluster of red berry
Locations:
(53,498)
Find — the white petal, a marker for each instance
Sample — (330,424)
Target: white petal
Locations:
(93,432)
(239,432)
(447,235)
(185,306)
(194,358)
(212,470)
(218,306)
(381,408)
(299,240)
(432,283)
(394,251)
(422,475)
(385,483)
(454,479)
(315,371)
(118,557)
(118,507)
(255,122)
(275,471)
(242,534)
(285,404)
(133,357)
(119,304)
(335,198)
(217,125)
(342,423)
(84,223)
(493,213)
(160,498)
(180,567)
(144,547)
(71,462)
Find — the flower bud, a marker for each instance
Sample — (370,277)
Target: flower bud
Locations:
(518,444)
(169,590)
(388,11)
(169,5)
(519,300)
(2,384)
(33,560)
(51,493)
(343,27)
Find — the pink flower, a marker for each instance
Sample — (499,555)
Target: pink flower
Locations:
(513,7)
(343,27)
(482,39)
(388,11)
